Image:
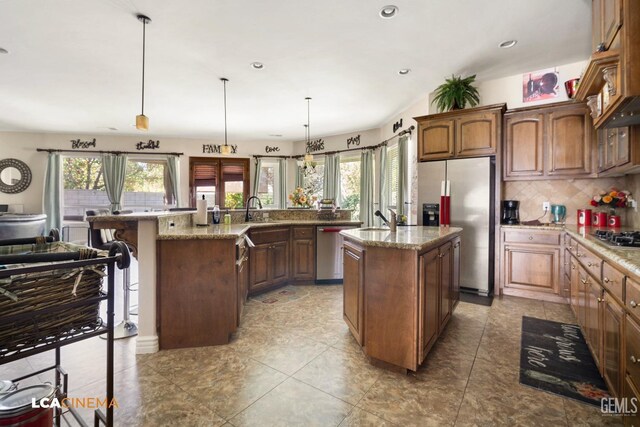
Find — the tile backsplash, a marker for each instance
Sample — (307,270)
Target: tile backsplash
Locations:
(633,185)
(573,193)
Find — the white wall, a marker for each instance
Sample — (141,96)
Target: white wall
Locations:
(23,146)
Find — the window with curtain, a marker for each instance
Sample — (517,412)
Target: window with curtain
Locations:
(350,184)
(147,185)
(83,186)
(223,182)
(313,179)
(392,175)
(269,186)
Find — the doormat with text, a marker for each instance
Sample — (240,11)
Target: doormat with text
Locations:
(554,357)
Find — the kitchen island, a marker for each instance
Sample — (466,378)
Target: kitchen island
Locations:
(400,290)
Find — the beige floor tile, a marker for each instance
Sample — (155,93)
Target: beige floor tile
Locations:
(294,403)
(408,401)
(341,373)
(361,418)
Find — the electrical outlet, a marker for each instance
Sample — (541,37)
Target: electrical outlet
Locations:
(546,206)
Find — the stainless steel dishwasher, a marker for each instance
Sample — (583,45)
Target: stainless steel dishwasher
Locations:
(329,254)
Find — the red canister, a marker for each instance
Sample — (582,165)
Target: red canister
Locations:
(584,217)
(600,219)
(614,221)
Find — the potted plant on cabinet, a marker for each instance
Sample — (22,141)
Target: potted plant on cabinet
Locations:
(455,93)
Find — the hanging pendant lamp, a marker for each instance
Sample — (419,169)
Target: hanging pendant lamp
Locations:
(308,157)
(226,148)
(142,121)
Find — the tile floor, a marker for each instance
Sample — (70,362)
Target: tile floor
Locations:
(294,363)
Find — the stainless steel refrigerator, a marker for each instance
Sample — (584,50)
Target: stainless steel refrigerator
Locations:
(472,208)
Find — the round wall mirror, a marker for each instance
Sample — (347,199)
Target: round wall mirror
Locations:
(15,176)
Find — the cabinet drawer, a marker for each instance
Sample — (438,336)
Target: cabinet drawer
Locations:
(632,335)
(303,232)
(533,237)
(632,297)
(613,280)
(269,235)
(591,262)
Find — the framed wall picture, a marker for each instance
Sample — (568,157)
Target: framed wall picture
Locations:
(540,85)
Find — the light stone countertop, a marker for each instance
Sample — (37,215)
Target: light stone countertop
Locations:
(412,237)
(627,258)
(233,231)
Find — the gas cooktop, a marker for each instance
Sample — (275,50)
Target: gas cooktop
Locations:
(624,238)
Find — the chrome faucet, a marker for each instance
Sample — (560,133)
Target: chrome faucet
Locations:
(247,217)
(391,224)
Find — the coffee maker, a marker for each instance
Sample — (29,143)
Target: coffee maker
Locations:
(510,212)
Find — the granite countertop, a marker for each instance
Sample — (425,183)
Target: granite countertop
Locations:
(536,227)
(415,238)
(627,258)
(233,231)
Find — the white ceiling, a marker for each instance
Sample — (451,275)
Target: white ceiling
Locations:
(75,65)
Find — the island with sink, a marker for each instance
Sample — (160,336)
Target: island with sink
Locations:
(400,290)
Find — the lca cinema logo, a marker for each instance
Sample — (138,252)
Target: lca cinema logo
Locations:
(74,402)
(617,407)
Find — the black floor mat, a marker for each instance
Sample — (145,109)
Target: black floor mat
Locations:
(554,357)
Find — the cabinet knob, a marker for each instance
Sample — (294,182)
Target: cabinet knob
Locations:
(633,304)
(530,237)
(633,359)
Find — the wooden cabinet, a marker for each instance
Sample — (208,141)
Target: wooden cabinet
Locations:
(549,142)
(353,292)
(612,337)
(396,314)
(197,292)
(436,140)
(269,259)
(616,37)
(619,150)
(530,264)
(455,271)
(429,301)
(303,254)
(525,143)
(472,132)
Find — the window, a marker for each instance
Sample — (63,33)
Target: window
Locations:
(269,188)
(350,183)
(83,185)
(313,181)
(223,182)
(147,185)
(392,176)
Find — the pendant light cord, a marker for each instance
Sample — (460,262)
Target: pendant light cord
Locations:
(224,83)
(144,46)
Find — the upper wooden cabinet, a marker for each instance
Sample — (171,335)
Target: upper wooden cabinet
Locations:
(553,141)
(613,72)
(471,132)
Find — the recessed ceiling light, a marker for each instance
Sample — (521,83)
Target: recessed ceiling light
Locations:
(3,50)
(389,11)
(507,44)
(257,65)
(404,71)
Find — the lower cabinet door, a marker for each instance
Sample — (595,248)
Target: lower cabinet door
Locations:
(353,301)
(429,318)
(613,333)
(259,267)
(532,268)
(279,262)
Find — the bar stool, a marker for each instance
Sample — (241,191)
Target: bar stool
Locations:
(102,239)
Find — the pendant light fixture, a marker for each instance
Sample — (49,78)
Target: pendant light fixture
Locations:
(308,157)
(226,148)
(142,121)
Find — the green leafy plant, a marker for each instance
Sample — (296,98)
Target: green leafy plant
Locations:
(455,93)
